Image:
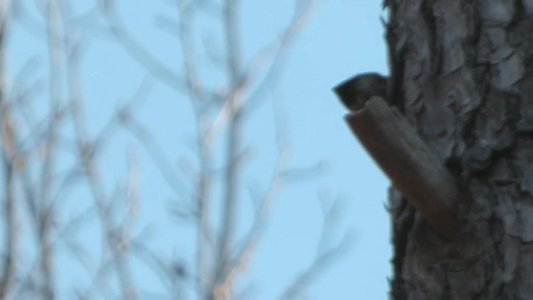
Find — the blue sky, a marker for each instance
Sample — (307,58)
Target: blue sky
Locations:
(344,38)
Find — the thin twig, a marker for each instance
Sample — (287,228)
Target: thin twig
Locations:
(9,152)
(263,67)
(54,18)
(240,263)
(156,153)
(317,267)
(112,236)
(325,257)
(141,54)
(268,61)
(196,91)
(233,143)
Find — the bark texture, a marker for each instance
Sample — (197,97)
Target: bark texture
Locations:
(462,74)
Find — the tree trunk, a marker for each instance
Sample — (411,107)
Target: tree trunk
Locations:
(462,75)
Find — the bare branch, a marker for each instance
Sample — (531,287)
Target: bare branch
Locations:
(194,85)
(54,26)
(156,153)
(262,68)
(222,258)
(9,152)
(31,25)
(196,91)
(233,143)
(268,61)
(326,254)
(112,236)
(142,55)
(241,262)
(317,267)
(267,200)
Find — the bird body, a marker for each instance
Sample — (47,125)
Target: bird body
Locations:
(355,91)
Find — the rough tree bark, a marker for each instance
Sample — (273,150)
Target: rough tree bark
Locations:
(462,74)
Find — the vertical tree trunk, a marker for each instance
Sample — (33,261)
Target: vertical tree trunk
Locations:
(462,74)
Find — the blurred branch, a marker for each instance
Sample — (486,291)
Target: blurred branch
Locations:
(64,234)
(258,73)
(195,87)
(8,159)
(325,257)
(195,90)
(233,144)
(240,263)
(27,22)
(143,135)
(9,152)
(216,275)
(317,268)
(268,60)
(265,202)
(141,54)
(54,19)
(33,154)
(173,274)
(112,236)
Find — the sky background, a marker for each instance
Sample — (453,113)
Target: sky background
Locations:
(345,37)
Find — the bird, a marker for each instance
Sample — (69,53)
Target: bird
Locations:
(355,91)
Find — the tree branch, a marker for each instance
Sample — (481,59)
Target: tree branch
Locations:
(412,167)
